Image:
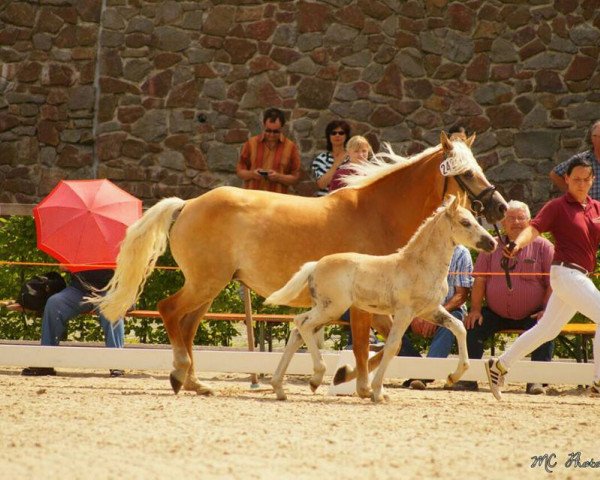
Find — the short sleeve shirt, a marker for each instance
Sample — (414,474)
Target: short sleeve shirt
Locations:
(256,154)
(320,166)
(530,283)
(459,275)
(337,181)
(576,229)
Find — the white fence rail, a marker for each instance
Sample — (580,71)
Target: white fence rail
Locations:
(555,372)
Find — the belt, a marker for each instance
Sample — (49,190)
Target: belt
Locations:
(573,266)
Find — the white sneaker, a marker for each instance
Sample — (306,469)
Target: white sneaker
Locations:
(495,373)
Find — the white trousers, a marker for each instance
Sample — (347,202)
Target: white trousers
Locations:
(572,292)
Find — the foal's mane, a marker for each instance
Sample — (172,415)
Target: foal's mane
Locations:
(387,162)
(428,224)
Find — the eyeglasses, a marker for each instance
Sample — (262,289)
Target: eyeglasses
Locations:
(337,132)
(275,131)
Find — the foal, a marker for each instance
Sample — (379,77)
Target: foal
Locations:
(409,283)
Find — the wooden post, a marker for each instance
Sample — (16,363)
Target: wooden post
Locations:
(249,330)
(261,336)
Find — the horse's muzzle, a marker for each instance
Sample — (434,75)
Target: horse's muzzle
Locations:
(495,208)
(486,243)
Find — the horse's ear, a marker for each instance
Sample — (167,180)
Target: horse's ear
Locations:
(470,140)
(450,203)
(445,141)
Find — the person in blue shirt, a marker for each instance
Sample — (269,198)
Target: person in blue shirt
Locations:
(67,304)
(460,282)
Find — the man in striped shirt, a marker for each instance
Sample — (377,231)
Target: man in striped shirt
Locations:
(557,175)
(519,308)
(270,161)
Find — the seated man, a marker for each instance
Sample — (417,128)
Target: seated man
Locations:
(459,286)
(519,308)
(67,304)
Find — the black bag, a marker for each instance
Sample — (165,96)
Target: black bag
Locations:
(36,291)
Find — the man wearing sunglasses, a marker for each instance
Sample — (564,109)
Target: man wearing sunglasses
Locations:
(270,161)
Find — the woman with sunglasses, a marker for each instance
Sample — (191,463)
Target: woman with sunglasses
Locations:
(326,163)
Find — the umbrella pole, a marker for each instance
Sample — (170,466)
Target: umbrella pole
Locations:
(249,330)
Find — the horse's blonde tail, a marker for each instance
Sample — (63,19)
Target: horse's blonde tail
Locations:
(293,288)
(145,241)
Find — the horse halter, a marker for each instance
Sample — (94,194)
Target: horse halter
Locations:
(478,202)
(478,205)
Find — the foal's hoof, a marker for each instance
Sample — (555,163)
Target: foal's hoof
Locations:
(175,383)
(449,381)
(364,392)
(280,394)
(314,386)
(192,384)
(381,398)
(205,390)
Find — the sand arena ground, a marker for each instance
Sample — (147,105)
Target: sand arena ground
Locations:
(83,424)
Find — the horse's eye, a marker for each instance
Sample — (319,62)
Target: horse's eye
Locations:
(468,174)
(465,223)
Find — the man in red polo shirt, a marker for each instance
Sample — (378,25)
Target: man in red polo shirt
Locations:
(574,220)
(270,161)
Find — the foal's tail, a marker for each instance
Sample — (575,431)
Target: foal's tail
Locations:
(293,288)
(145,241)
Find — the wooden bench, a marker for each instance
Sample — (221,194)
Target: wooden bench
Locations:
(577,348)
(268,318)
(231,317)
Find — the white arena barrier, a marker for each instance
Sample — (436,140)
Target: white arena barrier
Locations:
(555,372)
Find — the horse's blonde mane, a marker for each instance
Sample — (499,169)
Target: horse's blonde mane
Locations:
(381,165)
(386,162)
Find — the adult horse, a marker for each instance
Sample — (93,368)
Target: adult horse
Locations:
(262,238)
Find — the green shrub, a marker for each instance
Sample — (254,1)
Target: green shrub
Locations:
(18,244)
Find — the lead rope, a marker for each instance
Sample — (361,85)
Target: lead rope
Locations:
(504,261)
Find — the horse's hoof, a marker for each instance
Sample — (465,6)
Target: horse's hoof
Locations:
(449,381)
(376,398)
(382,397)
(204,390)
(280,394)
(340,375)
(175,384)
(314,386)
(364,393)
(279,391)
(192,384)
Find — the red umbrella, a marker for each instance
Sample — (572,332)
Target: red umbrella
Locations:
(83,222)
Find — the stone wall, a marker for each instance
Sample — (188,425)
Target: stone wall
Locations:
(158,96)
